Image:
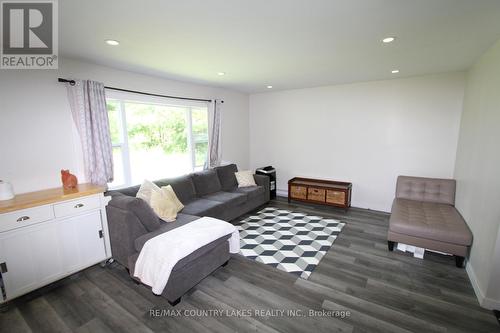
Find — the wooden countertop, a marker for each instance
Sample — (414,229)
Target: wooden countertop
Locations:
(44,197)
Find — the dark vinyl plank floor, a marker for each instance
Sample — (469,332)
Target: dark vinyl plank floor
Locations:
(383,292)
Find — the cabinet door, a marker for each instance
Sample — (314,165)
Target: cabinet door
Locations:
(37,255)
(31,257)
(81,241)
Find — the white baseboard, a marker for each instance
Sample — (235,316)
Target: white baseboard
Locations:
(282,193)
(472,277)
(491,304)
(485,302)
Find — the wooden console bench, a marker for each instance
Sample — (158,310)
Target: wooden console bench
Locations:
(326,192)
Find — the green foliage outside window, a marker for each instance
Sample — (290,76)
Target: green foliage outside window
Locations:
(152,126)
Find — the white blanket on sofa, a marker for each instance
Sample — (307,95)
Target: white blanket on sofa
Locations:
(160,254)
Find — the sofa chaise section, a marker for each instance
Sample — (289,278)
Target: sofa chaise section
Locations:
(211,193)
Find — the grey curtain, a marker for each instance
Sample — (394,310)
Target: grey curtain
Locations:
(88,107)
(214,140)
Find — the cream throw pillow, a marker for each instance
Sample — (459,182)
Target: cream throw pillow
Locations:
(245,178)
(168,192)
(163,201)
(163,207)
(146,190)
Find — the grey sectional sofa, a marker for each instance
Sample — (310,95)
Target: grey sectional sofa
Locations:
(212,193)
(424,215)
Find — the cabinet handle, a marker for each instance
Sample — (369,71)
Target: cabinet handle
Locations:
(3,270)
(79,205)
(23,218)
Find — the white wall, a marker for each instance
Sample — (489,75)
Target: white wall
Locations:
(478,174)
(36,136)
(366,133)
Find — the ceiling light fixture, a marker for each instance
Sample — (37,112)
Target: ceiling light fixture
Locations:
(112,42)
(269,87)
(395,71)
(388,40)
(221,73)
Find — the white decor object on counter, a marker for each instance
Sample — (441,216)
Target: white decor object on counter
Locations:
(6,190)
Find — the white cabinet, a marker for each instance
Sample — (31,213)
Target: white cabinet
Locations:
(42,244)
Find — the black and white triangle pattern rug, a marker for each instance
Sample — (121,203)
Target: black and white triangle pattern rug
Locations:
(290,241)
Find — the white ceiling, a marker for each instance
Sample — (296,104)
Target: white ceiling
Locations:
(285,43)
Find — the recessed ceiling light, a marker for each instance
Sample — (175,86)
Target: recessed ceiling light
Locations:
(388,40)
(221,73)
(395,71)
(112,42)
(269,87)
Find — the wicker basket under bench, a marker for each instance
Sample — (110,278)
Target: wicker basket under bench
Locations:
(318,191)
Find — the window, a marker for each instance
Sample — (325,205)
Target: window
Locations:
(156,138)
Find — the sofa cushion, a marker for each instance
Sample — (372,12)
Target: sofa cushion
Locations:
(183,187)
(251,192)
(204,207)
(181,220)
(130,191)
(228,198)
(426,189)
(139,208)
(226,176)
(440,222)
(206,182)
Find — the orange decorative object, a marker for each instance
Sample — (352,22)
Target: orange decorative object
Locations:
(69,180)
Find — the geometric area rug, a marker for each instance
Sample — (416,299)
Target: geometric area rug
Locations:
(290,241)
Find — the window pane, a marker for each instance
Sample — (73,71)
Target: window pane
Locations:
(114,120)
(158,142)
(200,154)
(119,175)
(200,124)
(200,135)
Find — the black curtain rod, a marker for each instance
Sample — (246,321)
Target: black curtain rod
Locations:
(72,82)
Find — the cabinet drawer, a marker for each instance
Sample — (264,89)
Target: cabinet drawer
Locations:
(335,197)
(316,194)
(25,217)
(76,206)
(298,192)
